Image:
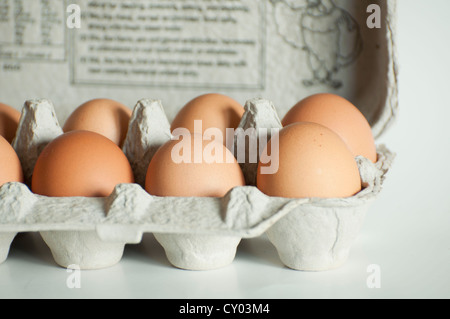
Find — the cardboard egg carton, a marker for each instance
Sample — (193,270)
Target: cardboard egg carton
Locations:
(196,233)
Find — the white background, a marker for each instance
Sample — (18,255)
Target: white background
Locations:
(406,232)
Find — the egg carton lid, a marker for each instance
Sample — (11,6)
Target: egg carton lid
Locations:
(130,211)
(344,53)
(298,50)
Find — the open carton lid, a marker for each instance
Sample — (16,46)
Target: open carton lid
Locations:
(338,49)
(280,50)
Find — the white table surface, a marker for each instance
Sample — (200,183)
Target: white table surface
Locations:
(406,232)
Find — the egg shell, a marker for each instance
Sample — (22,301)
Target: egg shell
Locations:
(10,166)
(9,122)
(80,163)
(339,115)
(104,116)
(193,167)
(313,162)
(213,110)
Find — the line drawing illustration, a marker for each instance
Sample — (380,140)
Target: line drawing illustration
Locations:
(328,34)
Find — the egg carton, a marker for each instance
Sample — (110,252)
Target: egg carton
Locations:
(196,233)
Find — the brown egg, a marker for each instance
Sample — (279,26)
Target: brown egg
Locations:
(80,163)
(193,167)
(313,162)
(10,166)
(9,122)
(214,110)
(104,116)
(339,115)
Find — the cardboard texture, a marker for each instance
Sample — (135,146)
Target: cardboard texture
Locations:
(196,233)
(282,50)
(276,49)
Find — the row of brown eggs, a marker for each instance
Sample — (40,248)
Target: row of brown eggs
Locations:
(320,138)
